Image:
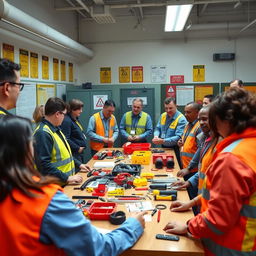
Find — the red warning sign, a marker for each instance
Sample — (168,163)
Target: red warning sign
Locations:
(100,103)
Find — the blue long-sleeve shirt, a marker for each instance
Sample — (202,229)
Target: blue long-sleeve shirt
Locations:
(135,120)
(91,130)
(67,228)
(170,136)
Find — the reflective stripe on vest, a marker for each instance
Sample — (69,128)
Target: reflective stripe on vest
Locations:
(190,146)
(141,125)
(99,129)
(241,236)
(61,156)
(79,125)
(2,112)
(21,220)
(173,124)
(203,166)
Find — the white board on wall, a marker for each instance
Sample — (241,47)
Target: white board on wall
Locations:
(26,101)
(61,91)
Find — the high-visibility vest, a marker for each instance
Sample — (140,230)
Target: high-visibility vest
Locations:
(141,125)
(190,146)
(61,156)
(204,164)
(99,129)
(241,238)
(20,223)
(2,112)
(173,124)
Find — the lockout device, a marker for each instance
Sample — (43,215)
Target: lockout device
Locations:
(167,237)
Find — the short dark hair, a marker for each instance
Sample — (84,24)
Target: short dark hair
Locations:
(138,99)
(195,105)
(210,97)
(54,105)
(169,100)
(239,82)
(235,105)
(75,104)
(109,103)
(7,70)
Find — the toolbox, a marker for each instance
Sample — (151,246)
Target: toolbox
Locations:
(141,157)
(101,210)
(129,147)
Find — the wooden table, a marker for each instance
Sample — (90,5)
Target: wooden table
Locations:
(148,245)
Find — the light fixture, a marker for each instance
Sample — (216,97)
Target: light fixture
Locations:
(176,17)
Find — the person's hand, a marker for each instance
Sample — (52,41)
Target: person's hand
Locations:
(84,168)
(180,143)
(80,150)
(182,172)
(180,185)
(177,228)
(158,141)
(75,179)
(140,217)
(136,138)
(111,140)
(105,140)
(178,206)
(130,138)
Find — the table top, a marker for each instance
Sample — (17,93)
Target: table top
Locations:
(148,245)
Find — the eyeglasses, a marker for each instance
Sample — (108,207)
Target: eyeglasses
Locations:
(21,85)
(63,113)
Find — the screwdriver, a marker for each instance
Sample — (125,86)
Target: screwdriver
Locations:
(165,192)
(160,186)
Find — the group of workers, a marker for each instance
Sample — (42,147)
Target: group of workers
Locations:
(214,147)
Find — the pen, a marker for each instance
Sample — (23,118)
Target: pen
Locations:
(153,212)
(158,215)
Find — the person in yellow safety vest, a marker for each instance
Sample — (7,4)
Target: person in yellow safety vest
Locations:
(52,152)
(227,222)
(102,128)
(10,85)
(136,125)
(170,127)
(189,144)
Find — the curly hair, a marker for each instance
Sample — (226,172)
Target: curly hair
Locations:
(237,106)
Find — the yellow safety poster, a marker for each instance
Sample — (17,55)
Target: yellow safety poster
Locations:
(201,91)
(44,92)
(198,73)
(137,74)
(55,69)
(124,74)
(24,72)
(70,72)
(63,70)
(45,67)
(105,75)
(33,65)
(8,51)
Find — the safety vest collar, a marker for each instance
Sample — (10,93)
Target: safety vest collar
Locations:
(247,133)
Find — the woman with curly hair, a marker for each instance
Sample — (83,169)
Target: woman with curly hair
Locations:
(37,218)
(227,222)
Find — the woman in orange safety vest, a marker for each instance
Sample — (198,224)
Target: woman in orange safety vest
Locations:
(36,217)
(227,222)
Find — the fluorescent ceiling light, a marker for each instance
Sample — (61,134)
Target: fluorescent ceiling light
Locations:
(176,17)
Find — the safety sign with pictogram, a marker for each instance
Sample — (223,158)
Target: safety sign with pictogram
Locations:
(98,101)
